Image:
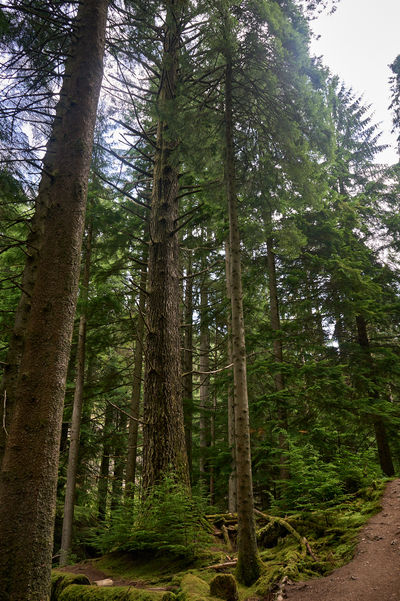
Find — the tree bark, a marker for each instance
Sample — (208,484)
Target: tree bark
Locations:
(204,367)
(384,453)
(130,474)
(248,568)
(69,502)
(277,350)
(29,469)
(232,484)
(102,491)
(164,447)
(187,365)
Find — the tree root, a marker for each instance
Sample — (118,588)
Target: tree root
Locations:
(303,542)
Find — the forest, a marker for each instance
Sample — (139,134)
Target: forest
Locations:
(200,297)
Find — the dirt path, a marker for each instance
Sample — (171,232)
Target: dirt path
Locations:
(373,574)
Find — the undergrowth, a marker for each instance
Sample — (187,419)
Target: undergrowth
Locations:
(168,521)
(332,536)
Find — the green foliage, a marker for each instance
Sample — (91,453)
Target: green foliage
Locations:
(168,520)
(316,482)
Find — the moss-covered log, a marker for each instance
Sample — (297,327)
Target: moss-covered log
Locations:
(60,581)
(77,592)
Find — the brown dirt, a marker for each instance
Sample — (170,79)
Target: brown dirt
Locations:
(373,574)
(88,569)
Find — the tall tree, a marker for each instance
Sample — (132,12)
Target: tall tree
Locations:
(248,568)
(163,432)
(73,454)
(29,468)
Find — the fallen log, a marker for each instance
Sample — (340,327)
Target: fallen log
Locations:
(303,542)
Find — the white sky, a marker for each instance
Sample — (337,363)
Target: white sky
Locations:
(358,42)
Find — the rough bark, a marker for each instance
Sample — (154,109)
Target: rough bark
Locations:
(277,350)
(130,474)
(73,454)
(29,468)
(204,367)
(248,568)
(232,485)
(384,453)
(163,433)
(187,365)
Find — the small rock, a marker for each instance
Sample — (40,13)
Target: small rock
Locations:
(105,582)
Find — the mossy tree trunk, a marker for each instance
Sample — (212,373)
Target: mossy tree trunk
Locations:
(164,448)
(29,468)
(248,567)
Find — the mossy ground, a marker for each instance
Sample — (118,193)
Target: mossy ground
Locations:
(331,533)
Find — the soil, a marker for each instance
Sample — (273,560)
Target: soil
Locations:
(87,568)
(373,574)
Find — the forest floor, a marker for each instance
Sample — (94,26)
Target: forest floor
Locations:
(373,574)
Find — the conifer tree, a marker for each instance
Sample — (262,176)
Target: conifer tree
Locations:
(29,468)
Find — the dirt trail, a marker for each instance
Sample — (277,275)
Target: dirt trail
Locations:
(373,574)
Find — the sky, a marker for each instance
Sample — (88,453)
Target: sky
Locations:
(358,42)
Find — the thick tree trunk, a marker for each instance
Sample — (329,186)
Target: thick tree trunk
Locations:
(248,567)
(69,502)
(187,364)
(29,469)
(232,484)
(164,447)
(384,453)
(130,474)
(278,358)
(204,368)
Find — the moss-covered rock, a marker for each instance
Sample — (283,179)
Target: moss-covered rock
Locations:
(113,593)
(169,596)
(60,581)
(224,586)
(194,588)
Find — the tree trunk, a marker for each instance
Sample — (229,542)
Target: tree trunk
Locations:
(248,567)
(204,367)
(119,452)
(232,485)
(164,447)
(130,475)
(279,382)
(29,469)
(384,453)
(187,364)
(69,502)
(102,491)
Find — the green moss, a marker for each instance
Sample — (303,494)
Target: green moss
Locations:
(60,581)
(76,592)
(144,566)
(194,588)
(332,534)
(224,586)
